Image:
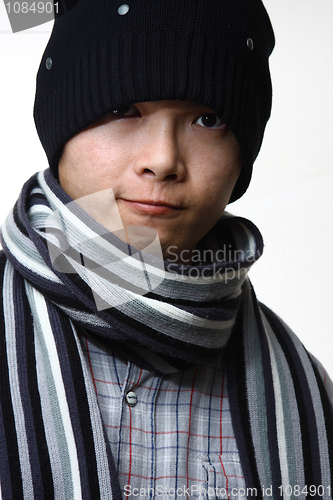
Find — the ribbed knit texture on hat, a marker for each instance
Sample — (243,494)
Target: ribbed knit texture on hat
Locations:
(158,50)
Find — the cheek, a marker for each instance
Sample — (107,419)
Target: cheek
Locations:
(74,171)
(218,158)
(87,152)
(213,196)
(87,166)
(230,169)
(217,180)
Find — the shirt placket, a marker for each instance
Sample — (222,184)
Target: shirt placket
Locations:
(137,437)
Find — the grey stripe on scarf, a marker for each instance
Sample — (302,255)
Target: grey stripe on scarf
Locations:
(53,440)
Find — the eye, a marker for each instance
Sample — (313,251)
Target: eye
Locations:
(209,120)
(127,110)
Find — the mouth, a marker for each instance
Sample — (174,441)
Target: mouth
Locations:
(155,207)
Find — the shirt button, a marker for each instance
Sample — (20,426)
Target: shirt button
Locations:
(131,398)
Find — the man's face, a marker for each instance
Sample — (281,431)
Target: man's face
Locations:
(172,166)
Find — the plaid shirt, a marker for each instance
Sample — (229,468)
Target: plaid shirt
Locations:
(178,440)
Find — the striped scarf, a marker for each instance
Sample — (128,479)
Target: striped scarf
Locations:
(63,273)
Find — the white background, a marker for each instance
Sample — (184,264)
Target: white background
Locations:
(290,198)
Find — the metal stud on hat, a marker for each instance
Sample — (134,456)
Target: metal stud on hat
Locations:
(123,9)
(250,44)
(48,63)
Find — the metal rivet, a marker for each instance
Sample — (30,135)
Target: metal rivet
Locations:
(123,9)
(48,63)
(131,398)
(250,43)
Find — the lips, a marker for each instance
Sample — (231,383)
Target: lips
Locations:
(157,207)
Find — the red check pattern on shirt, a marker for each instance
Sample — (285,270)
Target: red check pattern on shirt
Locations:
(178,440)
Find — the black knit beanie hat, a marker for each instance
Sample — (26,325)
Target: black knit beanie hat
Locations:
(103,55)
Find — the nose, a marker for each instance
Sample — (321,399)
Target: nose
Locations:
(161,152)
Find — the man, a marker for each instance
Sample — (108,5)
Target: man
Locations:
(137,360)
